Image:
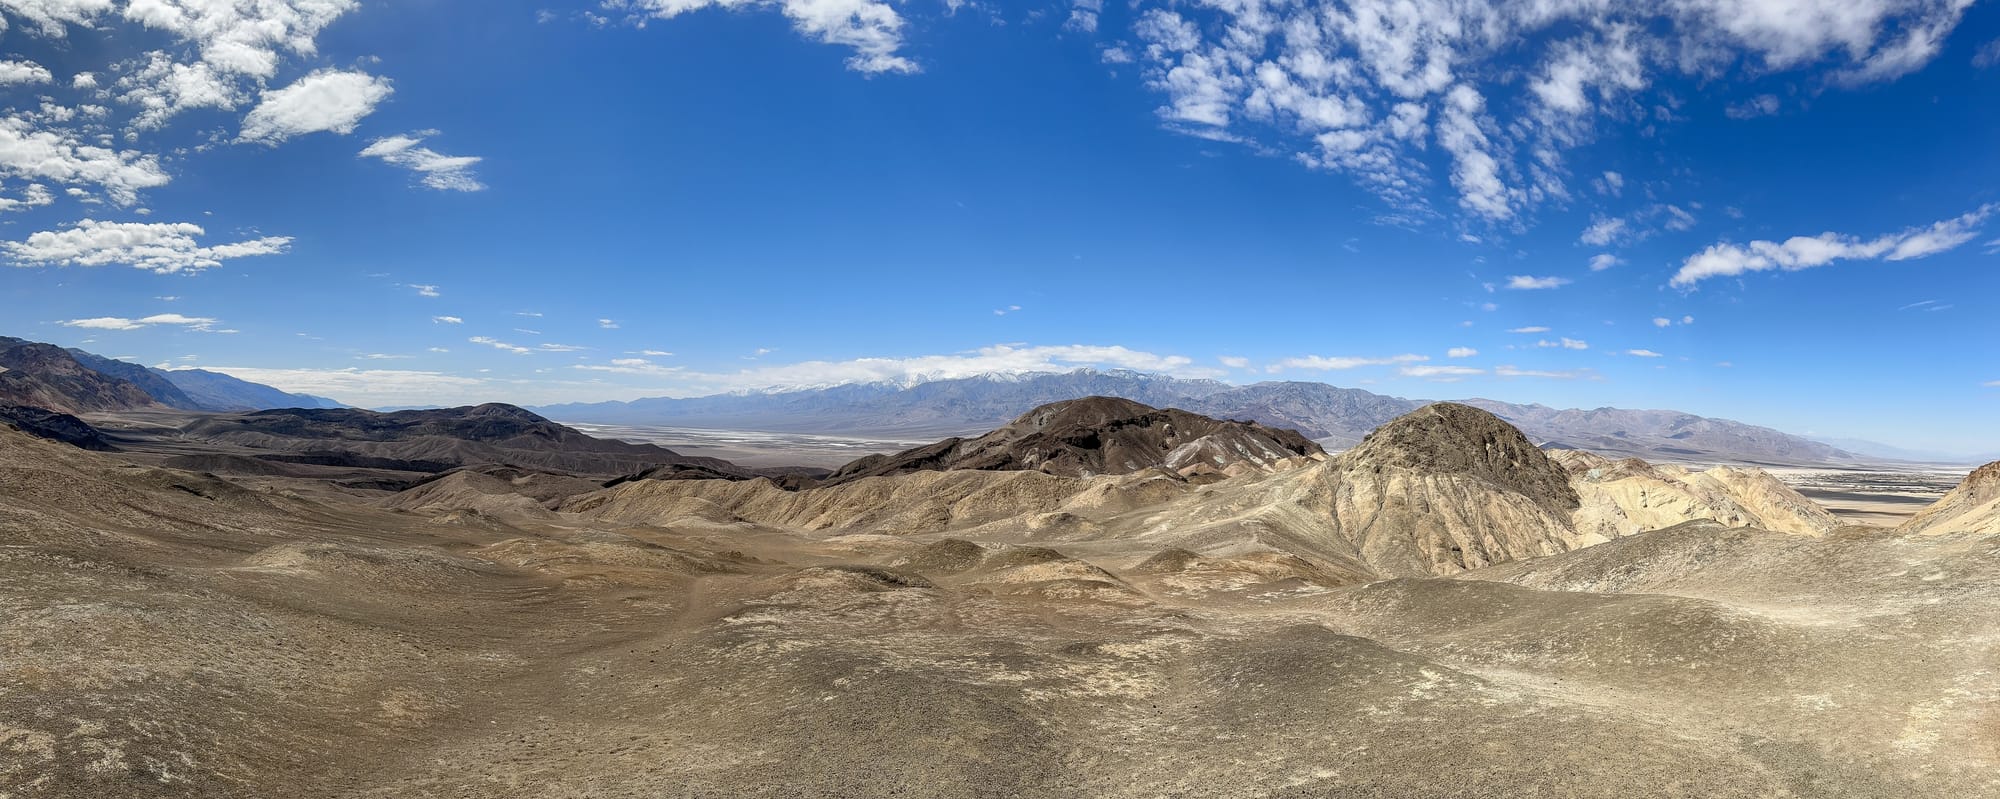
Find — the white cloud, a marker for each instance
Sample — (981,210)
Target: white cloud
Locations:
(1643,353)
(871,27)
(996,359)
(633,366)
(1322,363)
(546,347)
(1603,231)
(1988,54)
(162,247)
(434,169)
(1564,343)
(447,320)
(1532,282)
(1530,329)
(653,353)
(377,387)
(500,345)
(15,73)
(378,356)
(1687,320)
(1762,105)
(1005,311)
(1601,262)
(328,100)
(1570,374)
(1661,321)
(425,289)
(83,80)
(1805,252)
(197,323)
(27,153)
(1461,352)
(607,324)
(1402,94)
(1441,374)
(1234,361)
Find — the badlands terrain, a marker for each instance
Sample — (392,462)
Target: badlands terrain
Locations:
(1098,598)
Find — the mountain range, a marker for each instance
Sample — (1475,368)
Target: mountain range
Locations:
(1335,417)
(74,381)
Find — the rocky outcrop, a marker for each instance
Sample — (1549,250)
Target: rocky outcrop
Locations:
(1629,496)
(54,426)
(1973,507)
(1097,436)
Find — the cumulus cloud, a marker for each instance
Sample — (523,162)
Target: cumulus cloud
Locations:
(1563,343)
(872,28)
(198,323)
(1404,94)
(63,157)
(1661,321)
(1529,282)
(1322,363)
(1461,352)
(162,247)
(434,170)
(16,73)
(1805,252)
(329,100)
(1601,262)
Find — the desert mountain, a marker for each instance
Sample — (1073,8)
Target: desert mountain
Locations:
(1098,435)
(431,440)
(1629,496)
(970,633)
(75,381)
(215,391)
(1972,507)
(1336,417)
(47,376)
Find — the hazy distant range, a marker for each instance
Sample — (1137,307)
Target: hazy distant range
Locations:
(1336,417)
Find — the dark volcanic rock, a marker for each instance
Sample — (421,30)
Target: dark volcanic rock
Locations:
(55,426)
(433,440)
(1095,435)
(1449,438)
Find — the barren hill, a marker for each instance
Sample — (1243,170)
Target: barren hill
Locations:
(1097,435)
(1972,507)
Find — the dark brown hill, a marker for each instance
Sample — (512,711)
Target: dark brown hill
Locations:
(1094,436)
(47,376)
(434,440)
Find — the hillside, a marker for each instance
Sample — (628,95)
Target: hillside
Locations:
(47,376)
(1098,435)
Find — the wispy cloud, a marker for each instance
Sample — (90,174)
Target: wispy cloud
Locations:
(1644,353)
(1806,252)
(1461,352)
(1603,261)
(607,324)
(425,290)
(1234,361)
(1441,374)
(201,324)
(500,345)
(1570,374)
(1563,343)
(1530,282)
(1322,363)
(1530,329)
(447,320)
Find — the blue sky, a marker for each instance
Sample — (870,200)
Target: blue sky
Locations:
(1781,212)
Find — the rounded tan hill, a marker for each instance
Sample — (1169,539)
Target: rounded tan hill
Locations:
(1973,507)
(1629,496)
(1445,488)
